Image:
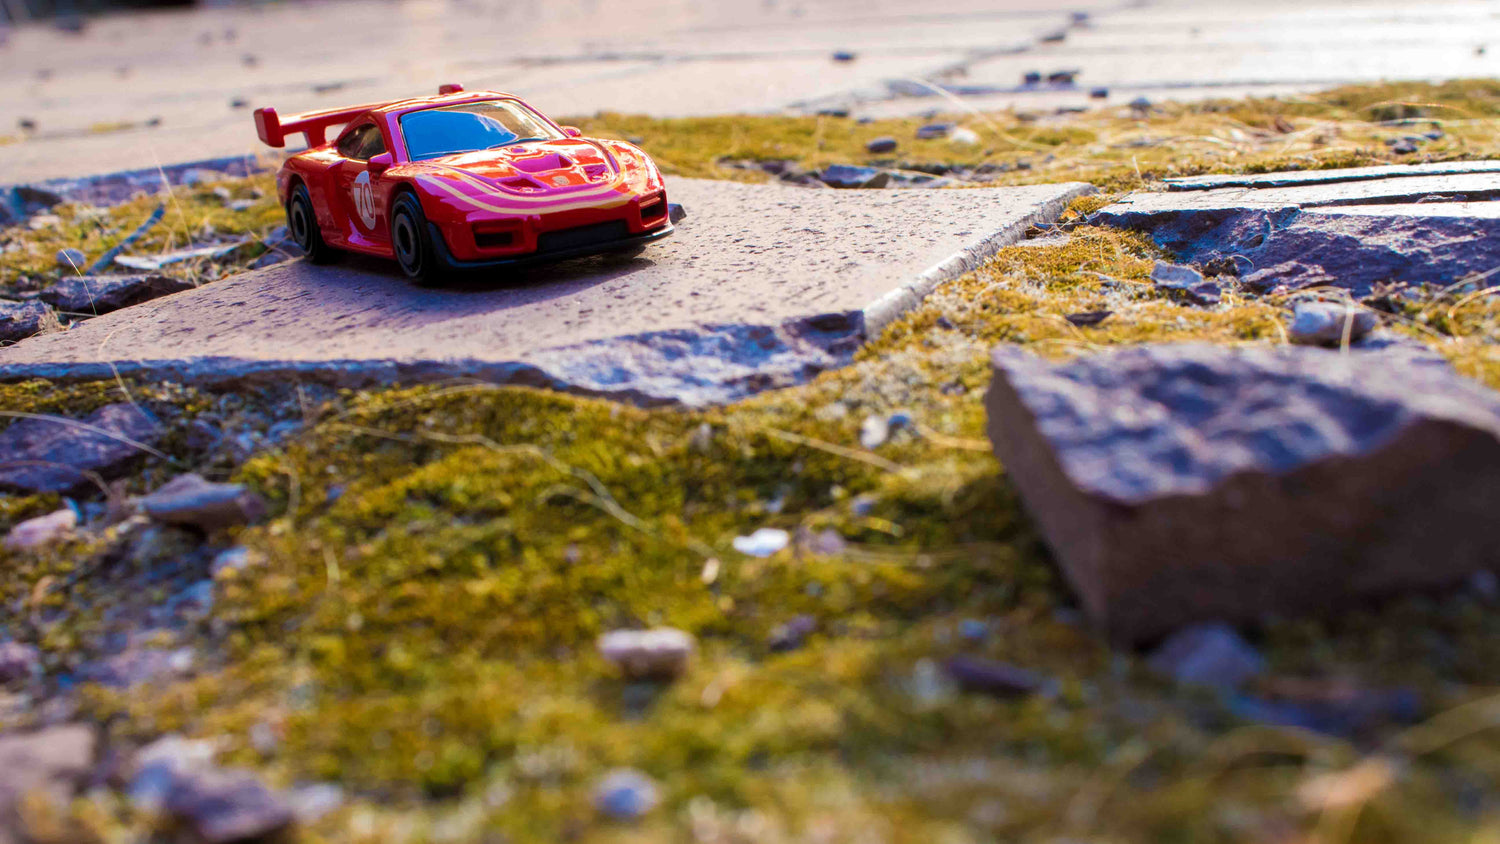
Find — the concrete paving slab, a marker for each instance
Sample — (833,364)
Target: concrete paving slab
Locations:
(1466,187)
(1354,232)
(762,286)
(1320,177)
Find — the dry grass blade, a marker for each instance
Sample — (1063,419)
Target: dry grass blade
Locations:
(852,454)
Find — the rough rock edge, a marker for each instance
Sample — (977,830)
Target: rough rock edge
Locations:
(891,306)
(1134,602)
(789,354)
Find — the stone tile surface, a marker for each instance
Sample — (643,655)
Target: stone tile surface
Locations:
(761,285)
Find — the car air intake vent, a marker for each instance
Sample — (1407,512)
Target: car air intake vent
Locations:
(582,236)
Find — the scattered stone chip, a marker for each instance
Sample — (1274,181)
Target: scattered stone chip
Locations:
(659,654)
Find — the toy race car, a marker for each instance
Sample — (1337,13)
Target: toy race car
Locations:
(462,181)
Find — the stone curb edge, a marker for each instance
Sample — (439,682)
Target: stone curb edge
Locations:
(893,305)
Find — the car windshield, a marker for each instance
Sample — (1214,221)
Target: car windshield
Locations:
(472,126)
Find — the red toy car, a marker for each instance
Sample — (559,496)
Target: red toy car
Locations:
(462,181)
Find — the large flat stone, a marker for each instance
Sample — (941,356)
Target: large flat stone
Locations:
(1356,230)
(761,286)
(1178,484)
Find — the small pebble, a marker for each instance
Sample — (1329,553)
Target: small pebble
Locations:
(882,145)
(18,662)
(791,635)
(1209,655)
(1324,323)
(933,131)
(72,259)
(42,531)
(762,543)
(992,678)
(626,795)
(974,630)
(963,137)
(659,654)
(874,432)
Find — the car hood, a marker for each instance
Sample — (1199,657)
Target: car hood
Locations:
(551,166)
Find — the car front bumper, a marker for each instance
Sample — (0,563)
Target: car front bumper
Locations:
(562,252)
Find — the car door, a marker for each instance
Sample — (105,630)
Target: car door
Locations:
(356,186)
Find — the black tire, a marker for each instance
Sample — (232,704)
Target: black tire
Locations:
(411,241)
(302,222)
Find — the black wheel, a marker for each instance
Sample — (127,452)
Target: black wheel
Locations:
(411,242)
(303,224)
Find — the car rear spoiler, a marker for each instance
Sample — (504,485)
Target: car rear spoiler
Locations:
(314,124)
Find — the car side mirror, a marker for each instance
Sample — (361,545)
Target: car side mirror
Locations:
(572,131)
(380,163)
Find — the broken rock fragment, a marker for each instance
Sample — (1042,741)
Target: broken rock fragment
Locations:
(1185,281)
(19,320)
(1186,483)
(102,294)
(191,501)
(61,455)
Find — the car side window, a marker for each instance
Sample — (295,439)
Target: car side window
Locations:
(362,143)
(374,143)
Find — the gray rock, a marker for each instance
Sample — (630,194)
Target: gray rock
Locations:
(882,146)
(1208,655)
(791,635)
(191,501)
(227,806)
(158,766)
(676,213)
(1186,282)
(71,260)
(626,794)
(51,762)
(660,654)
(973,674)
(18,662)
(19,320)
(1326,323)
(42,531)
(1179,484)
(102,294)
(849,176)
(934,131)
(48,455)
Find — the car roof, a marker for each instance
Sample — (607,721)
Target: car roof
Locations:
(401,107)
